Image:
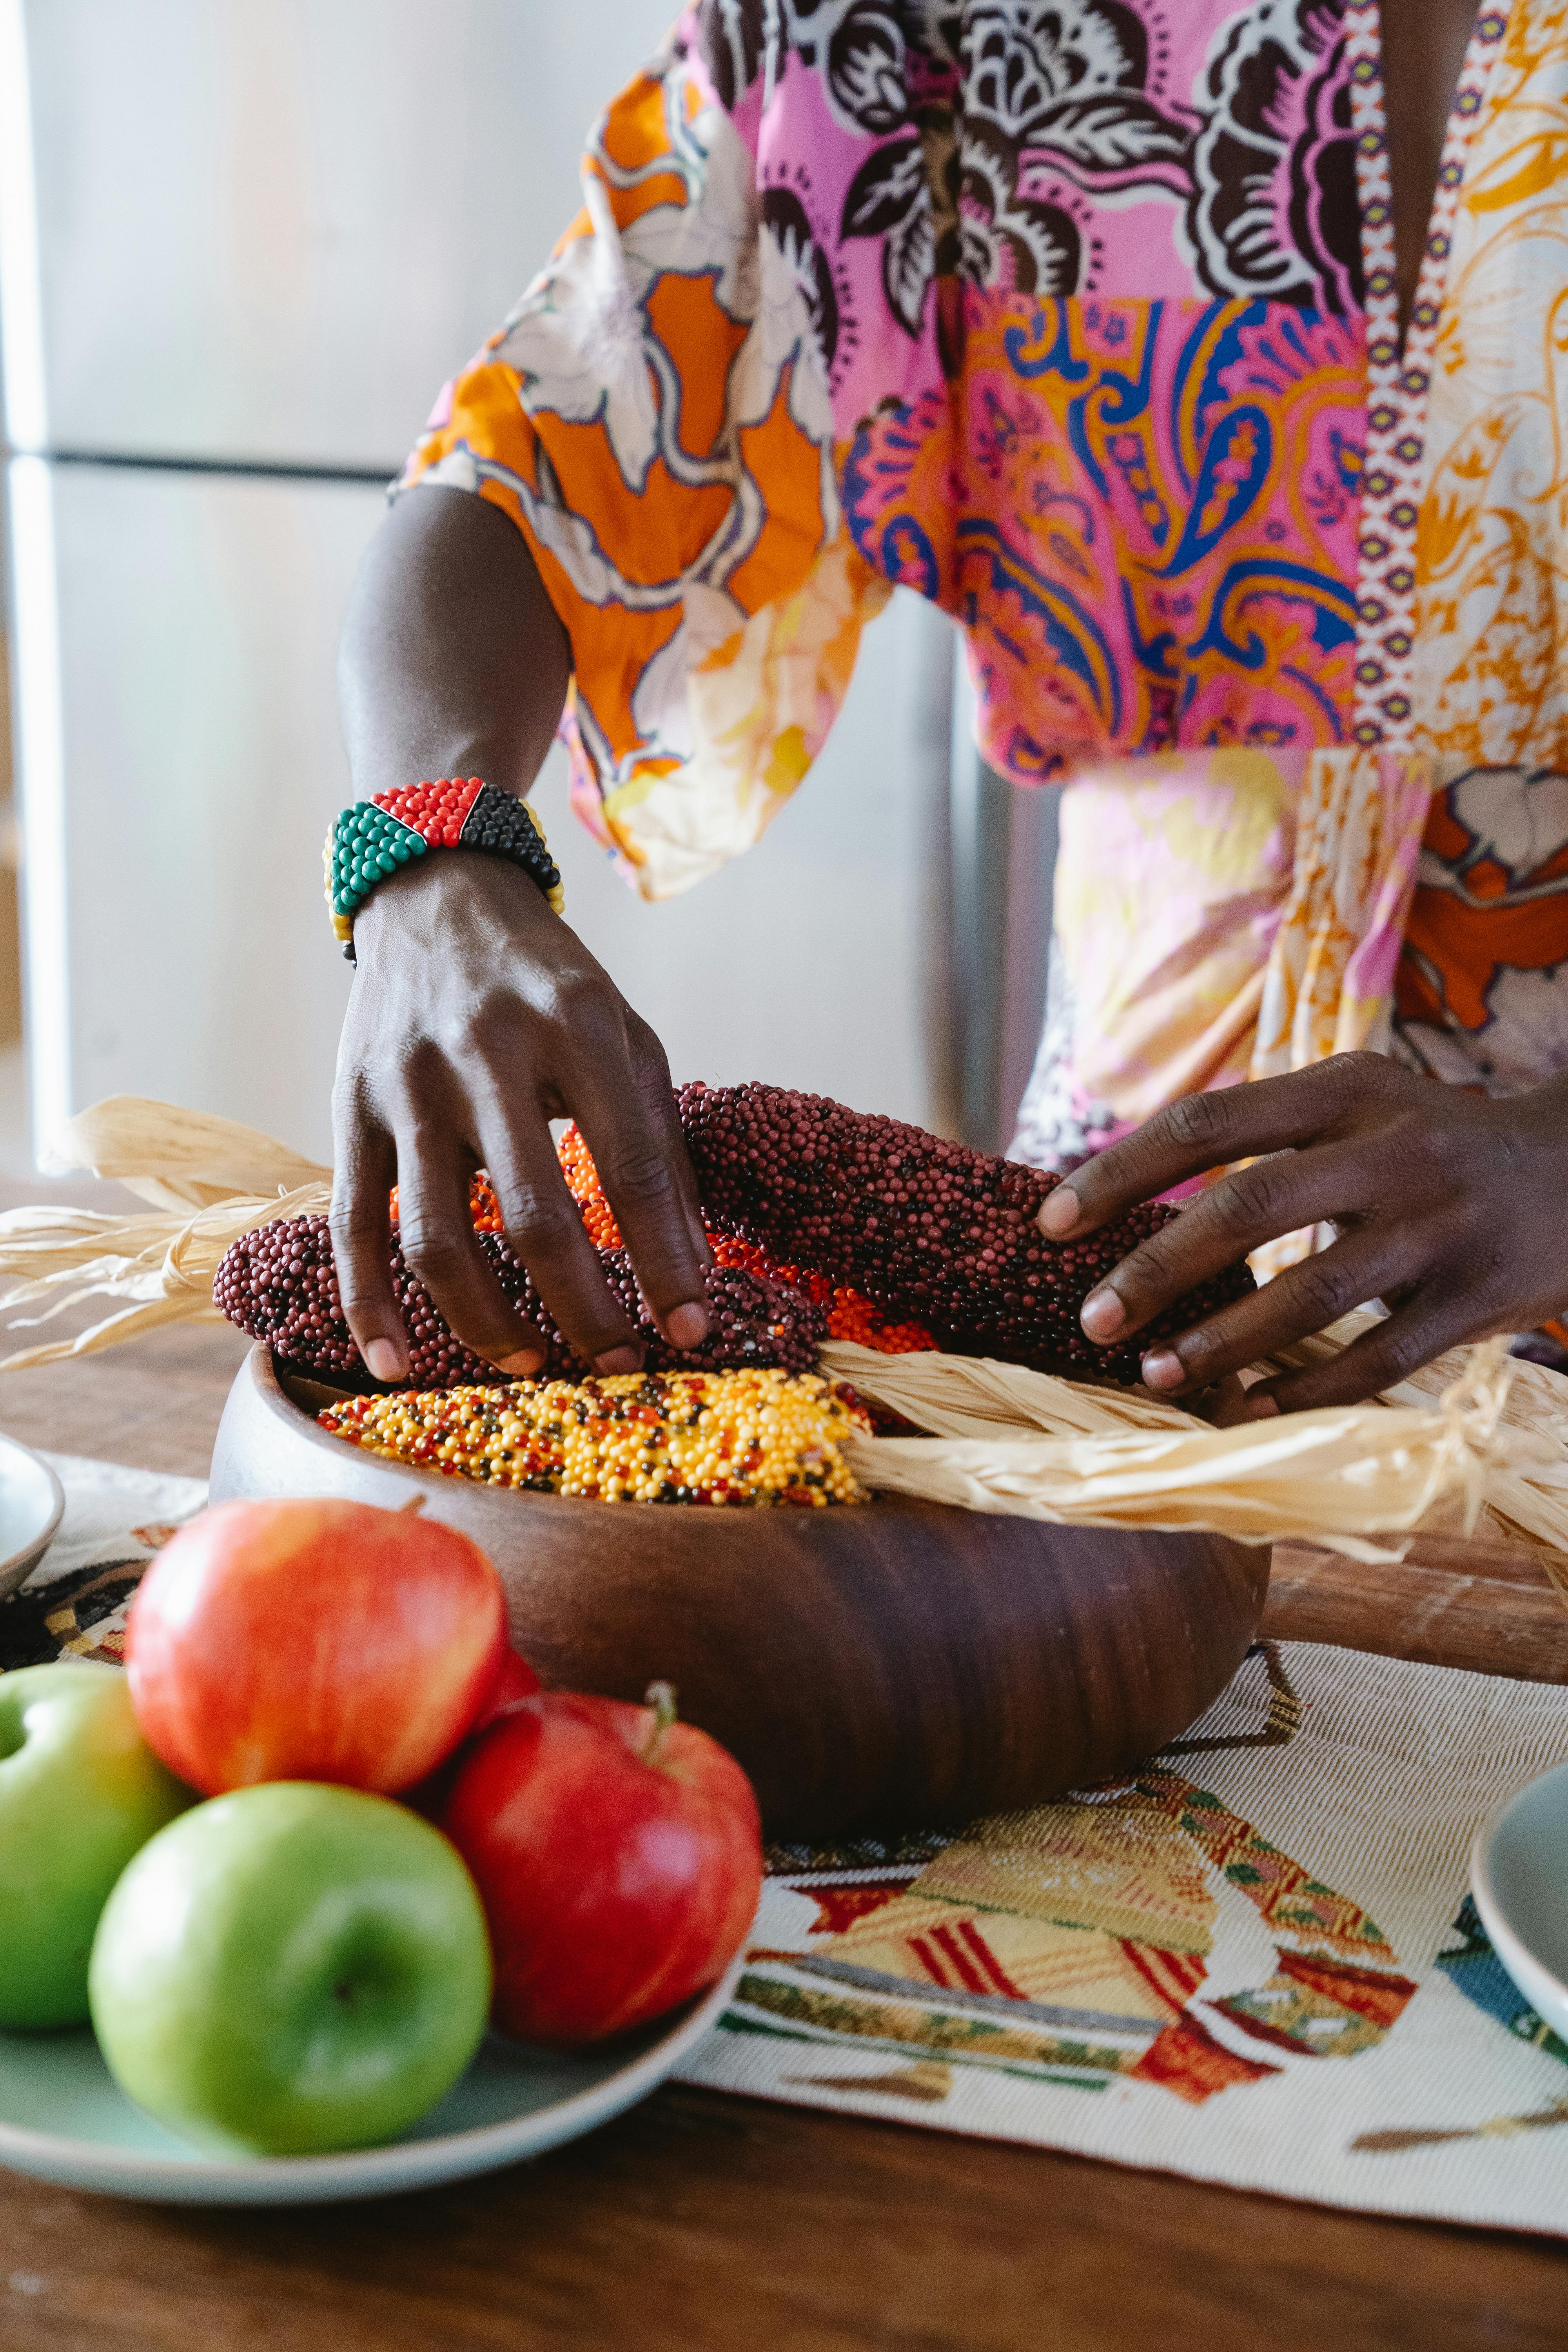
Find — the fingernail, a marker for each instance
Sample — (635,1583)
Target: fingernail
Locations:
(1060,1210)
(1261,1408)
(1163,1369)
(618,1360)
(523,1365)
(685,1326)
(384,1359)
(1103,1314)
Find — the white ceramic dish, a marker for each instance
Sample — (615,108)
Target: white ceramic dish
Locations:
(1518,1869)
(32,1504)
(62,2119)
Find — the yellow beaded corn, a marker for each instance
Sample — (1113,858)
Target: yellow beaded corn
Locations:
(749,1437)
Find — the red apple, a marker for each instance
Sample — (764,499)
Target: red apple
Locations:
(515,1678)
(618,1854)
(313,1641)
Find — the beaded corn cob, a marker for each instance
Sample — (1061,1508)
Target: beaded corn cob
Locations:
(278,1284)
(752,1437)
(931,1231)
(822,1221)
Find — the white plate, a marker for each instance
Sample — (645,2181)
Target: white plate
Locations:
(62,2119)
(32,1504)
(1519,1868)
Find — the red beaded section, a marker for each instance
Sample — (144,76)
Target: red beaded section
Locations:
(437,811)
(939,1236)
(849,1316)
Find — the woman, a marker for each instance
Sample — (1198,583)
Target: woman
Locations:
(1202,357)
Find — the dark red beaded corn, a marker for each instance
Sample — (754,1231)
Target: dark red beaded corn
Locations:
(278,1284)
(931,1231)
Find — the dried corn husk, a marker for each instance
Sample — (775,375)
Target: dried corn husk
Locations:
(1526,1501)
(207,1181)
(1108,1457)
(178,1158)
(1473,1437)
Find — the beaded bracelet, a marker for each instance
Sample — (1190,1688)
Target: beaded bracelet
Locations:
(377,836)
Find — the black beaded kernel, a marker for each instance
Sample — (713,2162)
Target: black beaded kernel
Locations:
(505,827)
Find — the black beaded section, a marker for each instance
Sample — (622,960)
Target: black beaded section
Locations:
(279,1284)
(504,827)
(498,824)
(934,1233)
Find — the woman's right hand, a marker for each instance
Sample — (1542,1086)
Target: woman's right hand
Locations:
(476,1016)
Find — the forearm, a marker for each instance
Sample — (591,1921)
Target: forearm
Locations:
(475,1014)
(452,660)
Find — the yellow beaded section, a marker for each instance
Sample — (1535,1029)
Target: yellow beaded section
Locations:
(752,1437)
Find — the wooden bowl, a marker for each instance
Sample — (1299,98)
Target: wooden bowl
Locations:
(889,1663)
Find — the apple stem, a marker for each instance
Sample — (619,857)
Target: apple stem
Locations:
(660,1697)
(412,1509)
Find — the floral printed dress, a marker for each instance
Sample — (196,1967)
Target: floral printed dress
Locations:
(1078,317)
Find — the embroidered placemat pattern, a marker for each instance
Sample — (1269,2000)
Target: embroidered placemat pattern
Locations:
(1255,1961)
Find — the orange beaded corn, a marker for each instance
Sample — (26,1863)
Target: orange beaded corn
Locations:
(751,1437)
(582,1181)
(482,1206)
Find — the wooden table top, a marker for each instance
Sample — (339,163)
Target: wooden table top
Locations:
(703,2221)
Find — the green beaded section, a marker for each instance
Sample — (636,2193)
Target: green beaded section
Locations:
(368,844)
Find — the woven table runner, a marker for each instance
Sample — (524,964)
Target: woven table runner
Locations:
(1253,1961)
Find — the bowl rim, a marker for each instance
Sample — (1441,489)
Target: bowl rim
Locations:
(18,1566)
(270,1378)
(273,1378)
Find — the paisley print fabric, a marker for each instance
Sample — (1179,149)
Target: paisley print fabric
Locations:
(1493,597)
(1077,316)
(653,417)
(1157,537)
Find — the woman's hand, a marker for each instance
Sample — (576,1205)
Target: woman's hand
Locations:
(476,1016)
(1452,1208)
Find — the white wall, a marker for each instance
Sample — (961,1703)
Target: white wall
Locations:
(267,230)
(271,228)
(204,763)
(178,785)
(816,959)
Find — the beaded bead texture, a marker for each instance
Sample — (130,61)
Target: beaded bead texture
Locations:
(377,837)
(762,1437)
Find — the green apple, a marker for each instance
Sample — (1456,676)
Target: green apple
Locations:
(79,1792)
(290,1969)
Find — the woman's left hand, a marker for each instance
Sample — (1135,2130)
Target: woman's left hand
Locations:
(1449,1207)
